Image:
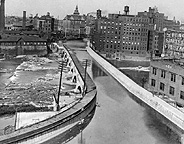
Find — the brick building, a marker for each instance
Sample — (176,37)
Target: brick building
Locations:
(121,35)
(167,73)
(47,23)
(166,77)
(74,23)
(23,45)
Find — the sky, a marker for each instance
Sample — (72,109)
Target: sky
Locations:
(60,8)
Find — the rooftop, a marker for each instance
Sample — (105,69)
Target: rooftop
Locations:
(26,38)
(176,61)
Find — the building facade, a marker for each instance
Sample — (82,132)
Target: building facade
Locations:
(166,77)
(173,43)
(23,44)
(122,36)
(47,23)
(74,24)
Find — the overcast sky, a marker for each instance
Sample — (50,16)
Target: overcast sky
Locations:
(61,8)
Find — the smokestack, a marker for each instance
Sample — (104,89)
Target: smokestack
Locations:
(24,20)
(2,15)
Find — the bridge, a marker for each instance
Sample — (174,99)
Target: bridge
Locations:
(66,117)
(168,114)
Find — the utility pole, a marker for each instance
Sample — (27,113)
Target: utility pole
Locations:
(85,63)
(15,118)
(61,65)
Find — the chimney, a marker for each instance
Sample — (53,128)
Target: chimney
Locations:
(2,15)
(24,20)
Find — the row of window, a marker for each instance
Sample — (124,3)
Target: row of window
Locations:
(132,48)
(171,89)
(162,86)
(124,20)
(163,75)
(111,46)
(24,43)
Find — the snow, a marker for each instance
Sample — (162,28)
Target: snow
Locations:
(136,68)
(28,118)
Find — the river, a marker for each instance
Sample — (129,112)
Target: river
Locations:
(118,119)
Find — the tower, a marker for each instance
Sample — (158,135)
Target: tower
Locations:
(2,15)
(76,11)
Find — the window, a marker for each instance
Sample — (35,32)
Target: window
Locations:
(163,73)
(171,90)
(182,95)
(153,82)
(182,81)
(154,71)
(162,85)
(173,77)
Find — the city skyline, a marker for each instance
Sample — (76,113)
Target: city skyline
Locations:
(60,8)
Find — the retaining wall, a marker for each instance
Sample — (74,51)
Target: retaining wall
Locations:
(169,112)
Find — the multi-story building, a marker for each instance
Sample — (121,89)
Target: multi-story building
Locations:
(158,43)
(74,23)
(173,43)
(23,44)
(166,77)
(47,23)
(167,72)
(121,35)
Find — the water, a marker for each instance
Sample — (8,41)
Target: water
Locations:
(119,119)
(9,66)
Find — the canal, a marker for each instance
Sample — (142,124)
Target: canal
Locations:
(118,119)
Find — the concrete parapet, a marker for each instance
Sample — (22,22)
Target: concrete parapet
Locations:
(172,114)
